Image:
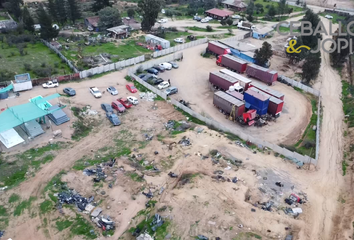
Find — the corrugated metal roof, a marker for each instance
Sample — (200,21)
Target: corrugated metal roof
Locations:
(219,12)
(226,77)
(269,90)
(229,98)
(263,30)
(262,68)
(258,94)
(150,36)
(235,75)
(240,46)
(219,44)
(275,100)
(235,94)
(234,58)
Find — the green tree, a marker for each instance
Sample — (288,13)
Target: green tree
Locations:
(311,67)
(259,8)
(52,9)
(150,10)
(61,11)
(272,11)
(47,30)
(100,4)
(14,7)
(229,21)
(27,20)
(262,55)
(73,9)
(304,5)
(131,12)
(297,2)
(311,40)
(297,57)
(250,11)
(209,4)
(109,17)
(281,7)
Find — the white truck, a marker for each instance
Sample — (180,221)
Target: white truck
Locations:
(245,26)
(51,84)
(95,92)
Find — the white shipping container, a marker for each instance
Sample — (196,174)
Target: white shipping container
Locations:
(22,86)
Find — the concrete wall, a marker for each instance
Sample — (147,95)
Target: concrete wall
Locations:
(179,47)
(297,84)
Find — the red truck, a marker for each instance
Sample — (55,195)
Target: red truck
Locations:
(224,82)
(232,63)
(217,48)
(244,82)
(125,102)
(225,102)
(268,90)
(265,75)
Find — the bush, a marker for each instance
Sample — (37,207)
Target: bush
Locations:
(27,67)
(43,65)
(209,29)
(223,22)
(309,144)
(140,69)
(173,29)
(229,21)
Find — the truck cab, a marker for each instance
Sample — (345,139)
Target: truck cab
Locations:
(237,88)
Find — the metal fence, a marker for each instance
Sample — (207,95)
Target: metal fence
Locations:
(297,84)
(179,47)
(68,62)
(318,127)
(237,37)
(148,86)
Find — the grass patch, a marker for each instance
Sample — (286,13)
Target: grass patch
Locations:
(247,236)
(336,18)
(298,89)
(46,206)
(26,204)
(348,103)
(81,227)
(344,167)
(160,232)
(14,198)
(61,225)
(190,117)
(266,6)
(3,211)
(286,29)
(135,177)
(142,88)
(199,29)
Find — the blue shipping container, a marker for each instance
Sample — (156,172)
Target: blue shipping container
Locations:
(241,55)
(256,101)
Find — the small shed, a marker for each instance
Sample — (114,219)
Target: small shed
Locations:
(218,13)
(236,5)
(261,33)
(92,23)
(119,32)
(149,38)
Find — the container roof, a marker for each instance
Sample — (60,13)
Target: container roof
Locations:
(219,44)
(235,75)
(276,100)
(262,68)
(268,90)
(258,94)
(234,58)
(229,98)
(224,76)
(240,46)
(150,36)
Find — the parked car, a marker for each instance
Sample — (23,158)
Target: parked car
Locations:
(51,84)
(171,90)
(197,18)
(133,100)
(112,90)
(329,16)
(159,68)
(146,77)
(163,85)
(236,16)
(155,81)
(113,118)
(162,20)
(118,106)
(70,91)
(125,102)
(106,107)
(204,20)
(153,71)
(209,18)
(95,92)
(131,88)
(166,65)
(174,64)
(163,11)
(178,40)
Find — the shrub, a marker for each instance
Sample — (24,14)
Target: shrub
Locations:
(27,66)
(43,64)
(223,22)
(209,29)
(229,21)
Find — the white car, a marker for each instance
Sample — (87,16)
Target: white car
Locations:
(112,90)
(163,11)
(95,92)
(329,16)
(163,20)
(51,84)
(133,100)
(165,65)
(204,20)
(236,16)
(209,18)
(163,85)
(178,40)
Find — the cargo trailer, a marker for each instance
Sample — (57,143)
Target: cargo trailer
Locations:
(244,82)
(226,102)
(275,106)
(268,90)
(255,99)
(231,62)
(224,82)
(263,74)
(218,48)
(235,94)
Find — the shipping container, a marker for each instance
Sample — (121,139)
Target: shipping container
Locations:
(224,82)
(235,94)
(244,82)
(255,99)
(275,106)
(218,48)
(232,63)
(22,86)
(266,89)
(225,102)
(263,74)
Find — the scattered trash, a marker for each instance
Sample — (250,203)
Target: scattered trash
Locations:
(149,194)
(200,130)
(72,197)
(144,236)
(156,152)
(57,134)
(96,212)
(3,188)
(228,168)
(253,210)
(148,96)
(148,137)
(172,175)
(2,233)
(161,190)
(156,222)
(218,172)
(170,124)
(279,184)
(202,237)
(185,141)
(267,206)
(100,174)
(240,226)
(234,180)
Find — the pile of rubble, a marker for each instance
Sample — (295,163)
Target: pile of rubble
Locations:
(148,96)
(99,170)
(177,126)
(185,141)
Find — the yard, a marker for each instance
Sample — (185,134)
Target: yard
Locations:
(335,16)
(267,4)
(36,59)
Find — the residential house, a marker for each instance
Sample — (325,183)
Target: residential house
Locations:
(261,33)
(119,32)
(132,23)
(92,23)
(235,5)
(218,13)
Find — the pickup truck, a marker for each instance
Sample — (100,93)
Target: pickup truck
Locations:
(95,92)
(125,102)
(51,84)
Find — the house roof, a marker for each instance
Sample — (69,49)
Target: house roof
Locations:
(240,46)
(8,24)
(219,12)
(93,20)
(263,30)
(235,3)
(118,29)
(132,23)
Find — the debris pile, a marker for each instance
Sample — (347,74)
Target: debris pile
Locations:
(72,197)
(185,141)
(172,175)
(98,172)
(156,222)
(148,137)
(177,126)
(149,194)
(202,237)
(148,96)
(144,236)
(2,233)
(104,222)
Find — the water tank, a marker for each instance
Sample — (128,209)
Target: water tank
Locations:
(4,95)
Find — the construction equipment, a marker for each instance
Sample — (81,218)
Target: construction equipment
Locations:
(232,113)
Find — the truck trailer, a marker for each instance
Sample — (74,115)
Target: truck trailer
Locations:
(263,74)
(217,48)
(245,25)
(255,99)
(244,82)
(232,63)
(275,106)
(226,102)
(224,82)
(235,94)
(268,90)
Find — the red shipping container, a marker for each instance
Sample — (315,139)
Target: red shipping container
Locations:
(232,63)
(265,75)
(245,82)
(218,48)
(275,106)
(225,102)
(268,90)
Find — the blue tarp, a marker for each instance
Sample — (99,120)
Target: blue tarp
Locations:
(241,55)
